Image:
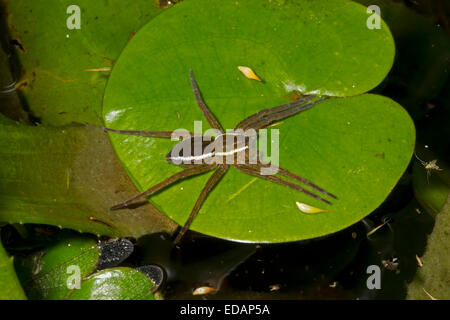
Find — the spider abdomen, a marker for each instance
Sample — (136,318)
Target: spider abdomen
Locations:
(229,148)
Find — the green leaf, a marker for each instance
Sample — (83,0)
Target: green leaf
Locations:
(46,274)
(68,177)
(9,284)
(54,83)
(115,284)
(432,278)
(356,148)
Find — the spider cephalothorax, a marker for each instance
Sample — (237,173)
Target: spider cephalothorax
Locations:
(206,153)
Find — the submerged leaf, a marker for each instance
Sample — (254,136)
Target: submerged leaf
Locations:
(115,284)
(50,273)
(11,288)
(57,57)
(68,177)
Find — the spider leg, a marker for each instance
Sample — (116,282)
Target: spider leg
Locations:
(266,112)
(217,175)
(264,122)
(202,105)
(195,170)
(255,172)
(144,133)
(288,174)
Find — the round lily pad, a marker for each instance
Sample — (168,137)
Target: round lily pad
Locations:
(354,147)
(115,284)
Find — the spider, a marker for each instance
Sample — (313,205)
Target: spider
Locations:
(195,163)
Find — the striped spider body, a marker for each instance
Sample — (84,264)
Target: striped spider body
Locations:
(230,148)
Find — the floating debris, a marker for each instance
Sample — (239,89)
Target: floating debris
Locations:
(105,69)
(306,208)
(249,73)
(68,178)
(391,264)
(419,262)
(94,219)
(377,228)
(428,294)
(274,287)
(164,4)
(333,285)
(203,290)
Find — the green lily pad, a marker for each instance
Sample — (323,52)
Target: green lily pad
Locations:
(49,273)
(54,58)
(11,288)
(356,148)
(68,177)
(115,284)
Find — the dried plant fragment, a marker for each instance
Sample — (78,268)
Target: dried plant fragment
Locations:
(419,262)
(203,290)
(333,285)
(377,228)
(306,208)
(249,73)
(105,69)
(274,287)
(428,294)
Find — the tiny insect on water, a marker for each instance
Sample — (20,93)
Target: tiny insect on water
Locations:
(196,163)
(429,166)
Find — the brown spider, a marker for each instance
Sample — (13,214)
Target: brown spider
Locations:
(196,162)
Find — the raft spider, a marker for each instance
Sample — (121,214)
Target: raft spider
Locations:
(259,120)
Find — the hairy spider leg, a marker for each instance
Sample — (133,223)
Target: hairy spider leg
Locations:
(286,173)
(191,171)
(253,170)
(265,121)
(144,133)
(294,176)
(202,105)
(268,111)
(213,180)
